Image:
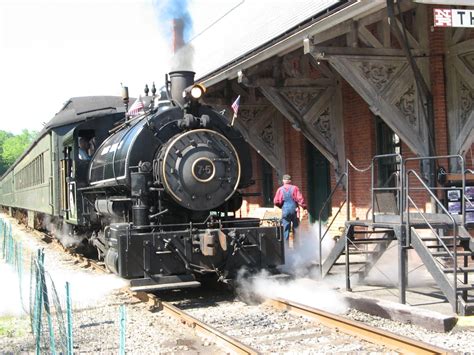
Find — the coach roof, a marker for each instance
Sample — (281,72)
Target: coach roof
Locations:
(78,109)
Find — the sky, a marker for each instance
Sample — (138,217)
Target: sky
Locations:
(52,50)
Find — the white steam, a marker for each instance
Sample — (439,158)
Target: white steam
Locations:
(385,271)
(10,300)
(303,258)
(86,289)
(301,263)
(312,293)
(183,58)
(62,233)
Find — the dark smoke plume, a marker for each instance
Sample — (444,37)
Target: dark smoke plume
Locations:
(167,10)
(169,14)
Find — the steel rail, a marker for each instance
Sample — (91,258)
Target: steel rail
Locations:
(222,339)
(361,330)
(154,303)
(358,329)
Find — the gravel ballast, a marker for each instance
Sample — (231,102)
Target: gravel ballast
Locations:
(97,298)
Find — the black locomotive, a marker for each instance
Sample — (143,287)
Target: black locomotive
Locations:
(162,192)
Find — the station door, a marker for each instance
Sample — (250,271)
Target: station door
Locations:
(319,183)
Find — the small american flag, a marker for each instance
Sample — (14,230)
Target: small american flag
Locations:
(136,108)
(235,105)
(235,108)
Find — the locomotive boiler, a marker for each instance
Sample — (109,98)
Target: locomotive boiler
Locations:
(162,192)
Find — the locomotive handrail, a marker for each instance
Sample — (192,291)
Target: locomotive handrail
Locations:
(204,223)
(126,122)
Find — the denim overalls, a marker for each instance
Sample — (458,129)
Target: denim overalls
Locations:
(289,216)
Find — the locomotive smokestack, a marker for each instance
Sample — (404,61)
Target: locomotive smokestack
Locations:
(180,80)
(177,34)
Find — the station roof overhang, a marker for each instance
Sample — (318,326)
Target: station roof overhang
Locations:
(351,10)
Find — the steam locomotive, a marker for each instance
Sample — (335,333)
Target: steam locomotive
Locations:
(158,199)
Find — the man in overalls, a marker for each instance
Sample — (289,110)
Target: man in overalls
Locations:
(288,197)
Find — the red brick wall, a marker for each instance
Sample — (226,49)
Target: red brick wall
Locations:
(359,138)
(438,88)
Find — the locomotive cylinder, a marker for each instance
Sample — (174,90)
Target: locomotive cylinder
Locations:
(111,207)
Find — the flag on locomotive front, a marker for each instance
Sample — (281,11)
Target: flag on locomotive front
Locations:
(235,108)
(136,108)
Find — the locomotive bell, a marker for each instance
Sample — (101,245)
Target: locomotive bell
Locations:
(179,81)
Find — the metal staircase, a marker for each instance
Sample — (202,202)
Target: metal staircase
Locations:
(442,241)
(365,246)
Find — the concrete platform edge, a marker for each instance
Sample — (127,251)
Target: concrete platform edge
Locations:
(407,314)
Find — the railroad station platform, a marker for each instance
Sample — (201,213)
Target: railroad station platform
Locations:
(425,306)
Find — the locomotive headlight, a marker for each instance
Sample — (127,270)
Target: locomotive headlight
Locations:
(197,92)
(194,92)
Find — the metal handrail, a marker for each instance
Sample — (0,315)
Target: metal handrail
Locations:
(437,157)
(321,237)
(399,188)
(420,212)
(390,178)
(455,226)
(471,204)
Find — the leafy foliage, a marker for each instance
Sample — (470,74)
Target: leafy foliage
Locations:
(12,146)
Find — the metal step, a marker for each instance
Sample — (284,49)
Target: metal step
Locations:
(371,240)
(352,263)
(461,269)
(449,246)
(374,232)
(465,287)
(444,238)
(358,252)
(467,308)
(443,253)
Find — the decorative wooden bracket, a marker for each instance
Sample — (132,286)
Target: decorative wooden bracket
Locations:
(259,123)
(380,74)
(309,96)
(460,92)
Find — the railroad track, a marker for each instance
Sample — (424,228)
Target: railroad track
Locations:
(316,325)
(273,327)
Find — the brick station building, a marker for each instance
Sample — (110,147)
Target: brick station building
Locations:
(322,82)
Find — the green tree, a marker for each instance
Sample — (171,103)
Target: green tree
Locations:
(13,146)
(3,136)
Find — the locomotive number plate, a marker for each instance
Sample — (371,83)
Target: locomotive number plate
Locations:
(203,169)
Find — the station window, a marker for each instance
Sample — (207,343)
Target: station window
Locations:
(387,143)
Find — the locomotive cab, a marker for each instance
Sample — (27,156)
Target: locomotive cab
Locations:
(77,149)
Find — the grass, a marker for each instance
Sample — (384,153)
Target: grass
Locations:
(12,327)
